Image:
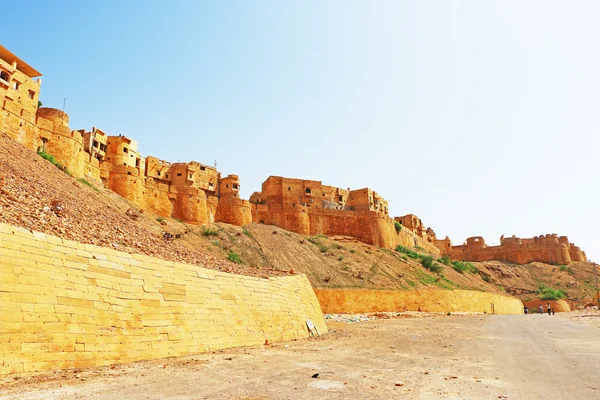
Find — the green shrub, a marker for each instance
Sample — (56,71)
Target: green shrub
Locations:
(398,226)
(412,254)
(323,248)
(247,233)
(160,219)
(444,260)
(352,251)
(428,263)
(206,232)
(547,293)
(462,267)
(340,258)
(233,256)
(569,270)
(339,246)
(486,278)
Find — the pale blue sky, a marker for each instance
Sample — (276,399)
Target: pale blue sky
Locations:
(480,117)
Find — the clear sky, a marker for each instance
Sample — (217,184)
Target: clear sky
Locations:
(481,117)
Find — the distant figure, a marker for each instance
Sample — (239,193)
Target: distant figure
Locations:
(548,308)
(525,310)
(552,310)
(541,309)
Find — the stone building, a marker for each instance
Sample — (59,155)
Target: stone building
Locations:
(308,207)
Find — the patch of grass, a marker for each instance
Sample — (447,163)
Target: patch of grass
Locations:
(177,219)
(428,263)
(50,158)
(411,283)
(233,256)
(352,251)
(340,258)
(323,248)
(425,278)
(81,180)
(486,278)
(569,270)
(398,226)
(338,246)
(315,240)
(419,248)
(445,260)
(321,236)
(160,219)
(547,293)
(206,232)
(462,267)
(410,253)
(247,233)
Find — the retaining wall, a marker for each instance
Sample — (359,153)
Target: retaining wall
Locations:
(353,301)
(65,304)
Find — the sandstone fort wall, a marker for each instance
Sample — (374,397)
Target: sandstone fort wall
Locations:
(70,305)
(352,301)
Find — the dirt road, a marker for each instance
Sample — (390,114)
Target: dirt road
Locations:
(433,357)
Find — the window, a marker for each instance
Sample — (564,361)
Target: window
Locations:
(340,198)
(191,176)
(158,173)
(289,188)
(31,94)
(124,149)
(15,85)
(179,174)
(167,176)
(95,143)
(235,186)
(227,186)
(307,190)
(4,76)
(202,168)
(211,185)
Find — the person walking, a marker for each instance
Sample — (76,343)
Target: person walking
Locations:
(525,310)
(548,308)
(541,309)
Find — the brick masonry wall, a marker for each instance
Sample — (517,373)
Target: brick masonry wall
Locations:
(336,301)
(65,304)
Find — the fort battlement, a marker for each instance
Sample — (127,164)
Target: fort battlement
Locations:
(198,194)
(549,248)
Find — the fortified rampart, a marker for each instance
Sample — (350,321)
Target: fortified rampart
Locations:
(191,191)
(550,249)
(197,194)
(70,305)
(310,208)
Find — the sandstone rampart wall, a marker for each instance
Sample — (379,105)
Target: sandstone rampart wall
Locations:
(352,301)
(70,305)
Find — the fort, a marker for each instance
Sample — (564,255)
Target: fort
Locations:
(197,194)
(550,249)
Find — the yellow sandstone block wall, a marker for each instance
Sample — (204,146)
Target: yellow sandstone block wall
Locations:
(65,304)
(351,301)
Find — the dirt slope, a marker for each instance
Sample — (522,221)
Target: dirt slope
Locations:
(29,184)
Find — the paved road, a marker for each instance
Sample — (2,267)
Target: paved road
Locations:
(442,357)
